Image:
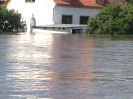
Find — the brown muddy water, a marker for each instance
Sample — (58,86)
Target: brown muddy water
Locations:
(66,66)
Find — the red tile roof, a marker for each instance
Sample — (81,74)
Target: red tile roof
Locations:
(6,2)
(82,3)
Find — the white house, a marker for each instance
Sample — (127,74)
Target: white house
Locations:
(56,11)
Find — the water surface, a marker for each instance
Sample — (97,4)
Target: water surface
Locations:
(66,66)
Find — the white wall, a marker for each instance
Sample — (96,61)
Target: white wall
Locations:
(76,12)
(42,10)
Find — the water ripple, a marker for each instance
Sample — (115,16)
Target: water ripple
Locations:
(57,66)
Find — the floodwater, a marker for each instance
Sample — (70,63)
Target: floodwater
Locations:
(66,66)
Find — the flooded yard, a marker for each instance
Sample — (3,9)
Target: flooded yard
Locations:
(66,66)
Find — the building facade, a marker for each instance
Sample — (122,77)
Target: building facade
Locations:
(56,11)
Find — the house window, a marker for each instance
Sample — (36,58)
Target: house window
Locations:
(29,0)
(99,1)
(67,0)
(83,19)
(66,19)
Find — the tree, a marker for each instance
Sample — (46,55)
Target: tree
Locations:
(10,20)
(113,19)
(129,1)
(2,16)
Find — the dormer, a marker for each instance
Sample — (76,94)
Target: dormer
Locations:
(67,0)
(99,1)
(29,1)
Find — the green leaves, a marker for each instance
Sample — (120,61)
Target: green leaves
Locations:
(10,20)
(113,19)
(2,16)
(130,1)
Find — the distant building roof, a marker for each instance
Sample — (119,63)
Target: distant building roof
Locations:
(2,1)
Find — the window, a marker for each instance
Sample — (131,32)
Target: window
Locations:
(66,19)
(67,0)
(83,19)
(29,0)
(99,1)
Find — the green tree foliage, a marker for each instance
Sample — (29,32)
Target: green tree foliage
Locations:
(2,16)
(113,19)
(129,1)
(10,20)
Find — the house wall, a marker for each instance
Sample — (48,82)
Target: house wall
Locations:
(42,10)
(76,12)
(46,12)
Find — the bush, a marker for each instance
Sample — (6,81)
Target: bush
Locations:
(113,19)
(10,20)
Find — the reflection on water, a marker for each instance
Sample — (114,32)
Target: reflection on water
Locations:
(58,66)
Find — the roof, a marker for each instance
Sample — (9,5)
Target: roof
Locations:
(121,2)
(82,3)
(6,2)
(2,2)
